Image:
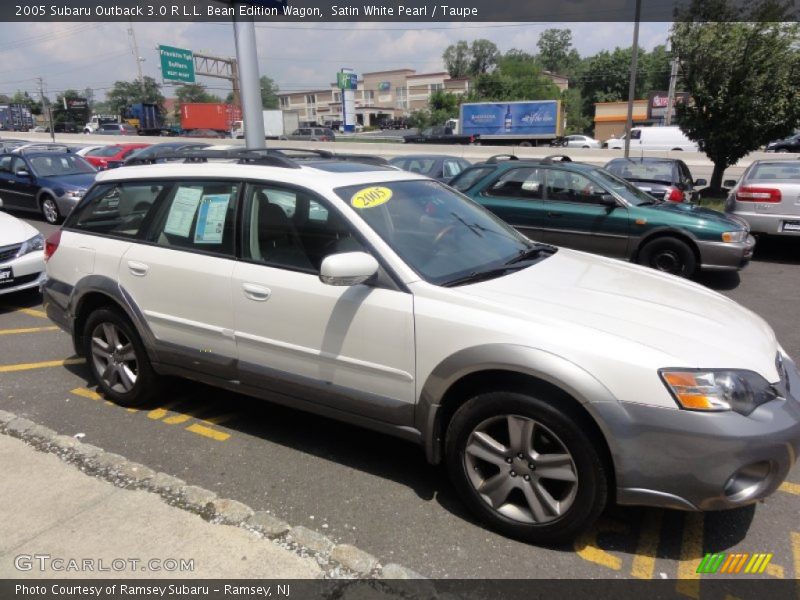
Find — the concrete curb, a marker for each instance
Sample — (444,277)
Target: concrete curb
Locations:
(338,561)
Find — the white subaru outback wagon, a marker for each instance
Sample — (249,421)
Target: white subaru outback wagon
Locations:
(549,381)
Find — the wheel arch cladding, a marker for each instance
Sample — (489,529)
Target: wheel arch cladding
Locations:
(668,233)
(496,367)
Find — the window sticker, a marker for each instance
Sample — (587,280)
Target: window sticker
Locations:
(371,197)
(182,211)
(211,219)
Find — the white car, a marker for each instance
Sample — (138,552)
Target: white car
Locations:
(549,381)
(579,141)
(21,255)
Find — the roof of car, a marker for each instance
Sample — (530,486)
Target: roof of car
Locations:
(306,174)
(425,157)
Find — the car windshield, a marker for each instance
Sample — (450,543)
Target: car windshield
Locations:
(650,170)
(442,235)
(60,164)
(782,170)
(621,187)
(415,165)
(104,151)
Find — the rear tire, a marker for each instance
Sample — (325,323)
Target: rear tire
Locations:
(50,210)
(669,255)
(525,145)
(525,467)
(118,359)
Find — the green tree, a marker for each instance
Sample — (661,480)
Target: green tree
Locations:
(485,56)
(518,76)
(269,93)
(457,59)
(555,50)
(741,68)
(125,93)
(77,116)
(21,97)
(194,92)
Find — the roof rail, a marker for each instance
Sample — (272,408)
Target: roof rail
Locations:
(260,156)
(552,158)
(497,157)
(328,155)
(42,148)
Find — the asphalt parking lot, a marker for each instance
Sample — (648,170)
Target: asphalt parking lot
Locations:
(377,492)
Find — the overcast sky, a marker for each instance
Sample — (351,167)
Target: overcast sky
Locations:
(298,56)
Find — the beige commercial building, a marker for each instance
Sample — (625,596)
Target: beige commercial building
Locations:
(610,118)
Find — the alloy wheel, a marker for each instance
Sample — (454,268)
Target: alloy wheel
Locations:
(114,357)
(521,469)
(50,210)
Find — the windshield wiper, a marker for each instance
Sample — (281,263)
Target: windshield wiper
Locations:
(531,252)
(477,276)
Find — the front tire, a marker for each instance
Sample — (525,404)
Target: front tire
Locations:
(50,210)
(117,358)
(669,255)
(525,467)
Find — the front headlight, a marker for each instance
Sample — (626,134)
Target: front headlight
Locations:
(717,390)
(734,236)
(32,245)
(75,194)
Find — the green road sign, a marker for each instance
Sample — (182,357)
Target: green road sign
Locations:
(177,64)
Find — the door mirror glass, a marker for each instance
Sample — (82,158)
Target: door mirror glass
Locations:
(729,183)
(22,173)
(347,268)
(608,200)
(701,182)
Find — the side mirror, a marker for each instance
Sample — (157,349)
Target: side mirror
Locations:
(729,183)
(347,268)
(22,173)
(700,182)
(1,203)
(608,200)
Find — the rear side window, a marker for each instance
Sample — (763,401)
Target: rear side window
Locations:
(197,216)
(525,182)
(467,178)
(119,210)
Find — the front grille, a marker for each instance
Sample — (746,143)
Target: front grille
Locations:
(9,252)
(22,280)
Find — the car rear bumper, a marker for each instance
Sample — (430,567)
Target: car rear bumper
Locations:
(726,256)
(688,460)
(768,224)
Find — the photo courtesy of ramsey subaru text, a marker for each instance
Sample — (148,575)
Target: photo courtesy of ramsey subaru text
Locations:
(549,381)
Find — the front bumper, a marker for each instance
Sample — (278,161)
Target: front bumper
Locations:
(674,458)
(726,256)
(28,272)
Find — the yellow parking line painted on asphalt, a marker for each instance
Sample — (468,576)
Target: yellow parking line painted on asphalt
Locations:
(796,553)
(162,411)
(220,419)
(32,312)
(86,393)
(28,330)
(41,365)
(791,488)
(587,548)
(775,571)
(208,432)
(691,554)
(644,562)
(181,417)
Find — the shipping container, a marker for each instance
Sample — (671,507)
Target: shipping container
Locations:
(209,115)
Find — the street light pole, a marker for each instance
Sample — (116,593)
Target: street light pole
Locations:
(632,86)
(244,31)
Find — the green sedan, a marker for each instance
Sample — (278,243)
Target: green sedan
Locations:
(587,208)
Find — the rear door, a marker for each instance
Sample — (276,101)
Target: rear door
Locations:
(516,196)
(573,216)
(23,187)
(180,276)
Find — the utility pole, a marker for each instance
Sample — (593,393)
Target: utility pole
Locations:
(46,106)
(244,31)
(671,94)
(632,86)
(139,59)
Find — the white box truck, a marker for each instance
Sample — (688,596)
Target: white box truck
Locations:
(663,139)
(277,124)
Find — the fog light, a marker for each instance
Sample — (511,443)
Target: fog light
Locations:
(748,481)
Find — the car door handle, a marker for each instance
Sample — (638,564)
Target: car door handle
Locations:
(137,269)
(256,292)
(553,214)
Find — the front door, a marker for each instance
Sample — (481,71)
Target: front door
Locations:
(349,348)
(574,216)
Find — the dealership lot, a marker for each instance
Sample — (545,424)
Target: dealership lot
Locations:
(378,492)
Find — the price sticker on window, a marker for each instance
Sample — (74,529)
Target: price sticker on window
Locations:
(371,197)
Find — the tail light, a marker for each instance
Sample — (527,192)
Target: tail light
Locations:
(673,194)
(748,193)
(51,244)
(472,139)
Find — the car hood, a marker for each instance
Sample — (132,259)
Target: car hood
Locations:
(693,210)
(695,326)
(14,230)
(80,181)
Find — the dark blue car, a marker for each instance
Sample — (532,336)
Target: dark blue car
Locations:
(47,182)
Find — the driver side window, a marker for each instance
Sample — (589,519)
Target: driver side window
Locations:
(573,187)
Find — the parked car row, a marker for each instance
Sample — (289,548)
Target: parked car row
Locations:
(549,382)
